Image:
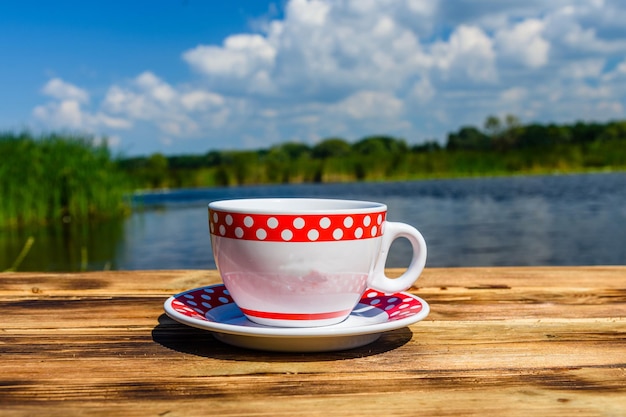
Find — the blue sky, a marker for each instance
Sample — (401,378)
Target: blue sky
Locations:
(189,76)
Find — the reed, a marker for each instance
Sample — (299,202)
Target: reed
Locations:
(57,178)
(20,258)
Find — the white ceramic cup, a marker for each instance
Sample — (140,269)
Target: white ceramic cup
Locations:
(306,262)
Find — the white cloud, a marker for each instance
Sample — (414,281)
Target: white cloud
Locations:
(584,68)
(578,28)
(155,88)
(419,68)
(524,43)
(65,113)
(514,94)
(422,7)
(201,100)
(618,73)
(118,100)
(241,56)
(322,50)
(70,114)
(371,104)
(469,51)
(109,121)
(175,111)
(68,109)
(312,12)
(423,91)
(59,89)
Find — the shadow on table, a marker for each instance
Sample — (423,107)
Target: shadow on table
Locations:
(185,339)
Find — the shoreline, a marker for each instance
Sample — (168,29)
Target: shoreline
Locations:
(547,173)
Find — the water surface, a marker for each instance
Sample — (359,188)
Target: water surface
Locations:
(518,221)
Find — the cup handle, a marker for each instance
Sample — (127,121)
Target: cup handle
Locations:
(393,230)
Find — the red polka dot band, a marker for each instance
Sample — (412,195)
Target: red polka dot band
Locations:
(296,227)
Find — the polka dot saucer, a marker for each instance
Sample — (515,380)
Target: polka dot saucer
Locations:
(212,308)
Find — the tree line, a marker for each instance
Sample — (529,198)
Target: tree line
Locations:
(64,178)
(501,146)
(507,134)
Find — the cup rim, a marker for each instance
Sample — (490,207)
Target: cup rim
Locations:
(298,205)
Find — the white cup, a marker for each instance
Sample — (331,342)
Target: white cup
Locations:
(306,262)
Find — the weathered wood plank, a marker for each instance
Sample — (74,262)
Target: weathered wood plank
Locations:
(501,341)
(132,283)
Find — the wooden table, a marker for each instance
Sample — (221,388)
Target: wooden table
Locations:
(498,341)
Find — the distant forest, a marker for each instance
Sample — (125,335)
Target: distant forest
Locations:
(501,147)
(60,177)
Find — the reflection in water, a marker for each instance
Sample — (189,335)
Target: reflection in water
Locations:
(167,239)
(64,247)
(549,220)
(488,232)
(569,220)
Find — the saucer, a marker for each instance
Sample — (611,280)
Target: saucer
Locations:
(212,308)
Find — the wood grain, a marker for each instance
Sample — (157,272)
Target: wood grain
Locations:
(498,341)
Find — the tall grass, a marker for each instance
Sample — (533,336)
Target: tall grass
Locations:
(57,178)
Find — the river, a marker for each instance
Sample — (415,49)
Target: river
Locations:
(526,220)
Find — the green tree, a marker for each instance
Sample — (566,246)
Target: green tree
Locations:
(332,147)
(243,165)
(213,158)
(468,138)
(378,145)
(532,135)
(156,170)
(586,132)
(557,135)
(295,150)
(277,165)
(493,126)
(509,136)
(613,131)
(380,155)
(427,146)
